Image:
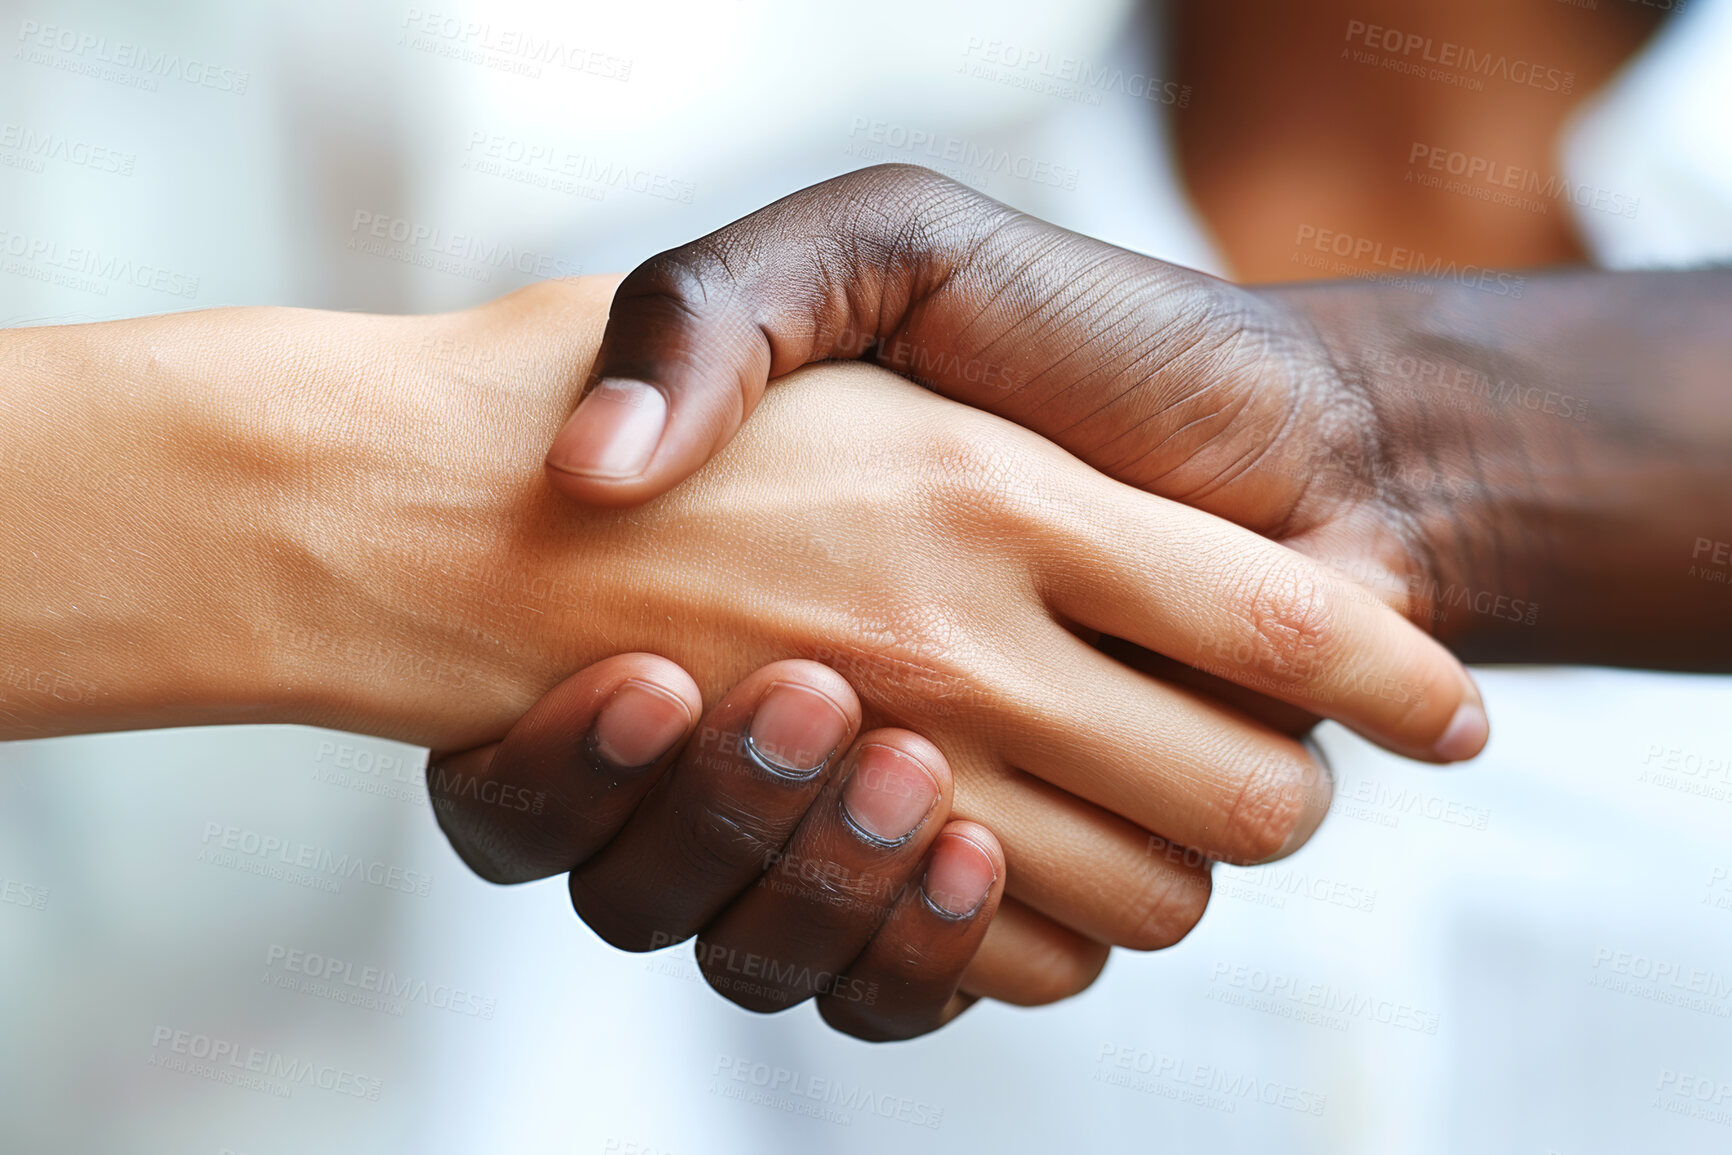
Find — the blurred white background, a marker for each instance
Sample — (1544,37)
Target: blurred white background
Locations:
(1529,954)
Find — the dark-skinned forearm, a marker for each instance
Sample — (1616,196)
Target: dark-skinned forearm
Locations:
(1568,449)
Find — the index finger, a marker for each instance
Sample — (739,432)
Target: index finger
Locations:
(1262,616)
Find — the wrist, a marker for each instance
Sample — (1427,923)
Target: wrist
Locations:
(287,516)
(448,586)
(1449,473)
(1548,482)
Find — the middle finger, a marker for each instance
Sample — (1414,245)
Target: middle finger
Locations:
(717,820)
(816,909)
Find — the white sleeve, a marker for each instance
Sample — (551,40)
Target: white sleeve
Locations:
(1660,136)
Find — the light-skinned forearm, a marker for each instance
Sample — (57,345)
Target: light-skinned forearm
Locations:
(263,515)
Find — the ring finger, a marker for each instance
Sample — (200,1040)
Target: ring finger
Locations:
(720,817)
(839,875)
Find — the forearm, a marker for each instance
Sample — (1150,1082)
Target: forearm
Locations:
(109,515)
(276,516)
(1569,451)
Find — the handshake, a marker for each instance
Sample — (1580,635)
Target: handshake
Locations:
(980,668)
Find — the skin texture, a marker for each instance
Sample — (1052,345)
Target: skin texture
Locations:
(1569,449)
(797,892)
(340,520)
(1463,453)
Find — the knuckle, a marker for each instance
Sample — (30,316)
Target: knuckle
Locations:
(1166,909)
(759,1000)
(1192,374)
(761,996)
(485,858)
(715,285)
(1288,629)
(765,977)
(1267,808)
(618,920)
(1054,972)
(911,657)
(831,898)
(926,202)
(961,465)
(496,845)
(726,841)
(972,480)
(679,276)
(875,1025)
(911,178)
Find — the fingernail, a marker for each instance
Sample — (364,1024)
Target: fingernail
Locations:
(639,724)
(958,877)
(795,730)
(614,431)
(887,796)
(1467,731)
